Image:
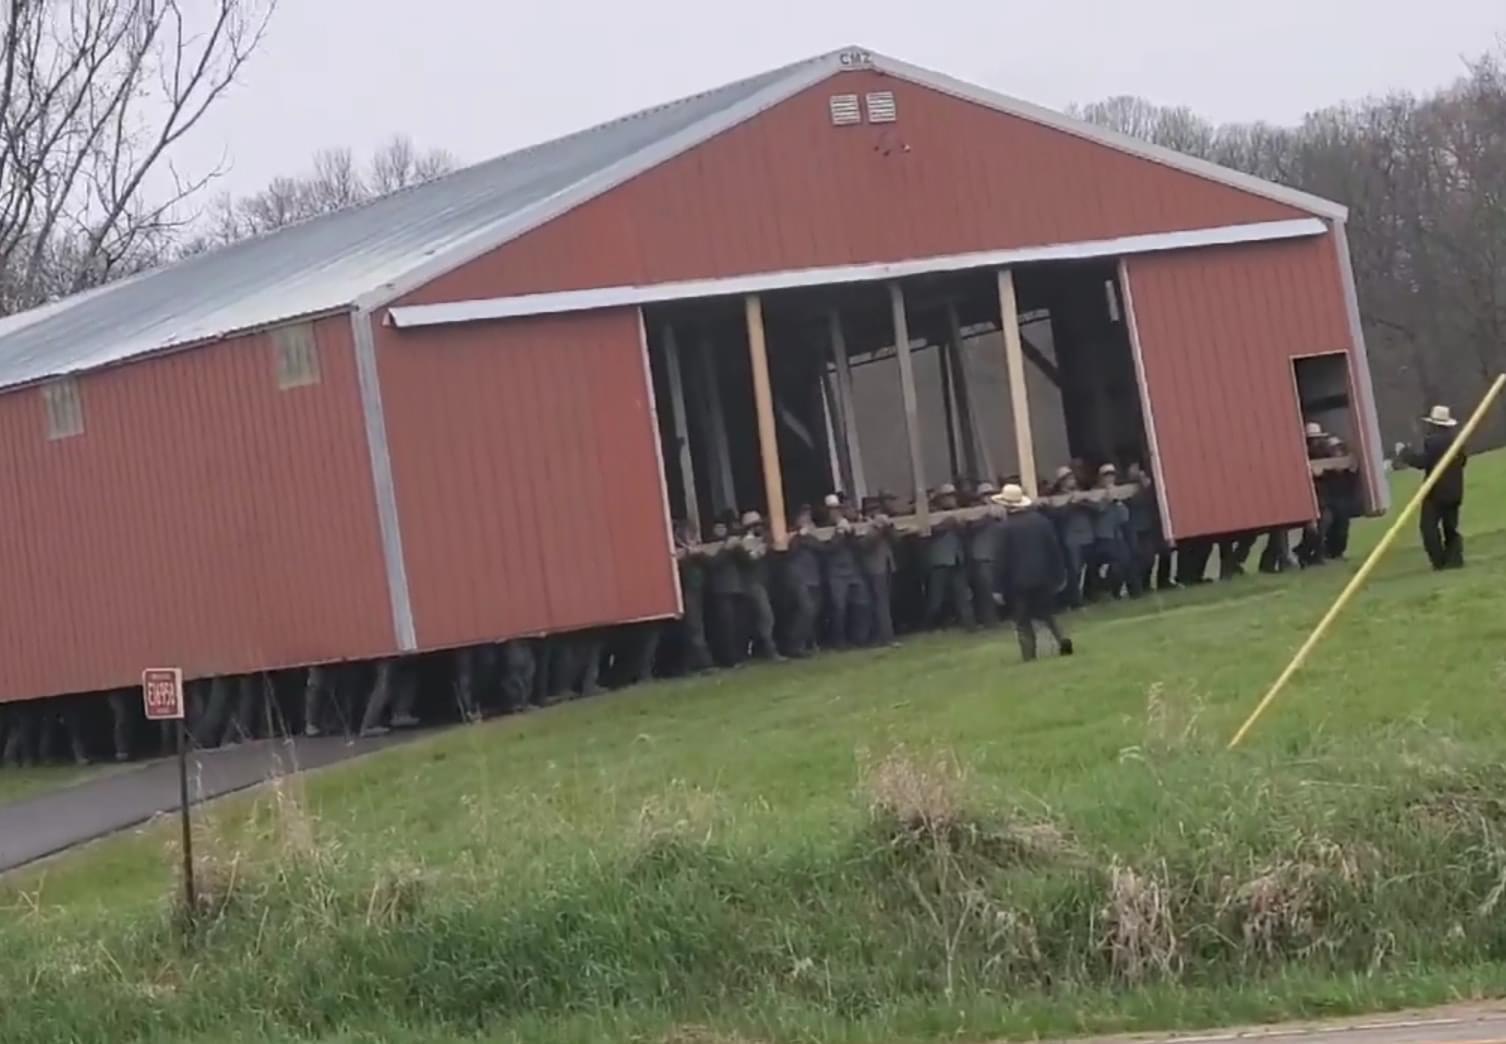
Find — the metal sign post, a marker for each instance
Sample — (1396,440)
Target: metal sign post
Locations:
(162,691)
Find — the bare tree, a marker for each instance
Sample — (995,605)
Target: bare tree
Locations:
(399,164)
(93,95)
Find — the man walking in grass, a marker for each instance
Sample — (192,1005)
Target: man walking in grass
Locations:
(1033,568)
(1440,508)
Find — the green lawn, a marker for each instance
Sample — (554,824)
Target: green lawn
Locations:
(928,842)
(16,784)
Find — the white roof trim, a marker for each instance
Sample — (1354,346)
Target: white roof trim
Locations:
(760,282)
(1113,139)
(520,222)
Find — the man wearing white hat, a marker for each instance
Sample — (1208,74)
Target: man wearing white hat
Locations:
(1034,570)
(1439,519)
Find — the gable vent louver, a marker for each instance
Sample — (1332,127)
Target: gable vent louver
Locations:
(881,107)
(844,110)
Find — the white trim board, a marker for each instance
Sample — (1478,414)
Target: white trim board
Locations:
(760,282)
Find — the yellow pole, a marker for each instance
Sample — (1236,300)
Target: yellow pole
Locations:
(1365,570)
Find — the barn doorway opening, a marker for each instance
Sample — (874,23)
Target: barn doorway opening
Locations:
(843,415)
(1322,383)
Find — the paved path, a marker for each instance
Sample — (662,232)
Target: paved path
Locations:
(1475,1024)
(43,824)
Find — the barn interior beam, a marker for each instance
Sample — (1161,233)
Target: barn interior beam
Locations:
(682,431)
(723,490)
(845,406)
(768,438)
(1014,360)
(907,391)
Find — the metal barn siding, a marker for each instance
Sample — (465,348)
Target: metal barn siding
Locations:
(204,518)
(530,493)
(787,189)
(1217,331)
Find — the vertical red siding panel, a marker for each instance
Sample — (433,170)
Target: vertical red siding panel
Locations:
(197,520)
(1218,329)
(569,489)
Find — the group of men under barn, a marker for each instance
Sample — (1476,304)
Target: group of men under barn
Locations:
(853,574)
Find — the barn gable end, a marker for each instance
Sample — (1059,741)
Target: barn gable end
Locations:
(788,189)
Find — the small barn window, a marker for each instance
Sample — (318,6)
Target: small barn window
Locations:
(65,408)
(844,110)
(297,355)
(881,107)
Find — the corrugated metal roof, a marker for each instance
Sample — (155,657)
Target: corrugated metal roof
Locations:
(328,262)
(371,254)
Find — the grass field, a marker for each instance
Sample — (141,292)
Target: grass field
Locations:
(880,846)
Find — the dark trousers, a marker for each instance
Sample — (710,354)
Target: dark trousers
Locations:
(1076,556)
(1338,534)
(847,605)
(1277,554)
(1233,553)
(981,575)
(758,618)
(1313,548)
(693,629)
(1110,570)
(948,584)
(1029,607)
(806,604)
(882,598)
(121,723)
(1192,560)
(728,639)
(518,670)
(1440,534)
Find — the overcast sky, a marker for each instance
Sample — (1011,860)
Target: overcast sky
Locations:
(481,77)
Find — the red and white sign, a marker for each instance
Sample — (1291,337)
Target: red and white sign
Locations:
(162,689)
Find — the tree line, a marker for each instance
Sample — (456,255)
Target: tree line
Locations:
(94,95)
(1425,181)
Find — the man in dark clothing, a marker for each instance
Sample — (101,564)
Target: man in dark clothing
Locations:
(752,556)
(691,564)
(1074,524)
(846,591)
(1151,555)
(1340,488)
(724,583)
(802,570)
(1312,550)
(1439,520)
(1111,554)
(946,575)
(1033,570)
(876,557)
(982,558)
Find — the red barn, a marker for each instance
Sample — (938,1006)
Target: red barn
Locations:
(444,417)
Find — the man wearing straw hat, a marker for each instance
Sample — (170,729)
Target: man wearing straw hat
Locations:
(1033,569)
(1439,518)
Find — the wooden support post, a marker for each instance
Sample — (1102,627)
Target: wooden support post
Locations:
(682,431)
(1014,358)
(846,408)
(723,491)
(912,410)
(768,437)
